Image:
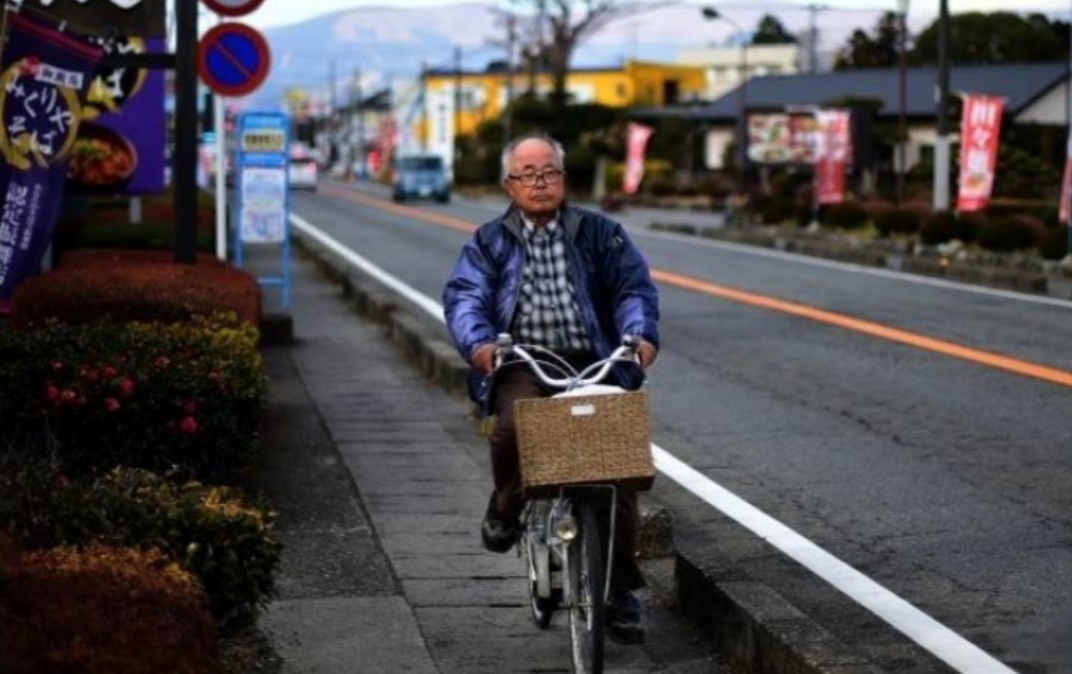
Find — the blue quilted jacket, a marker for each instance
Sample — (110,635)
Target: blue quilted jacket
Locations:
(613,284)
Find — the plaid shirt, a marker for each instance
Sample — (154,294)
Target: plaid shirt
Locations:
(547,312)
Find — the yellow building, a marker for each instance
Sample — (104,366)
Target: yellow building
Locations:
(481,96)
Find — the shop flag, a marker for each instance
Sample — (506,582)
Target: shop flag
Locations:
(44,76)
(636,144)
(980,127)
(833,152)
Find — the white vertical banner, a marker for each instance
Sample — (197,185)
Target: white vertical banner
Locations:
(439,109)
(636,144)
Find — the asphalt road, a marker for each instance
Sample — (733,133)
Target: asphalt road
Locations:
(918,432)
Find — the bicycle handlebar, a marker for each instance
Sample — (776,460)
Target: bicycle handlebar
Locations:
(626,353)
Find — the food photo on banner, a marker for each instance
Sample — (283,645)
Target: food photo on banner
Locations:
(44,76)
(121,142)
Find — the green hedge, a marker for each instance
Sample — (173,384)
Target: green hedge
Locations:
(137,394)
(212,532)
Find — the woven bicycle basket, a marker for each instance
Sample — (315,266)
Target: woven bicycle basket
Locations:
(584,440)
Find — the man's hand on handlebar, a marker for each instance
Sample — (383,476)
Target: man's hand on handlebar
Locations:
(484,357)
(646,353)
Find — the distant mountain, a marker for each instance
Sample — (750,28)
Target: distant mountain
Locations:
(387,44)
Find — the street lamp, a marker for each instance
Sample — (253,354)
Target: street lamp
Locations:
(711,14)
(902,140)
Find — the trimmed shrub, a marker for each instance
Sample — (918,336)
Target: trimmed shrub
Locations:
(141,394)
(1053,245)
(103,611)
(897,221)
(211,532)
(105,286)
(944,226)
(1008,234)
(776,211)
(846,215)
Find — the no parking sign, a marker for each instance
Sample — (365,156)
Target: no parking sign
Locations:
(233,59)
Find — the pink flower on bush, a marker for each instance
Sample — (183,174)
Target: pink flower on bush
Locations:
(56,365)
(189,405)
(126,387)
(52,394)
(215,376)
(88,373)
(162,361)
(188,425)
(67,395)
(112,404)
(109,372)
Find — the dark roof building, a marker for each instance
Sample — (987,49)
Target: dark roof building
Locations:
(1024,86)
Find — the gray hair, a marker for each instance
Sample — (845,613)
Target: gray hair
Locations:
(508,151)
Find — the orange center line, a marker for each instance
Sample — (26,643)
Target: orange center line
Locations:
(945,348)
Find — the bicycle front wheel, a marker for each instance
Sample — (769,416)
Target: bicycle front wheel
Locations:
(586,593)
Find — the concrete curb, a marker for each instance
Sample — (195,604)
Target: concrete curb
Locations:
(997,277)
(755,628)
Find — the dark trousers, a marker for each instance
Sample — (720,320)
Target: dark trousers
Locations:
(517,383)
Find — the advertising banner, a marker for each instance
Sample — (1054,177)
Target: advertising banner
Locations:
(979,132)
(120,147)
(44,74)
(636,144)
(1065,206)
(833,153)
(781,138)
(127,17)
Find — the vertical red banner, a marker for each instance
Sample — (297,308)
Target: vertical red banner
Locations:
(833,152)
(1065,208)
(636,143)
(979,132)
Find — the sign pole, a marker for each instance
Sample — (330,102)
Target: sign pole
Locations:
(221,177)
(185,183)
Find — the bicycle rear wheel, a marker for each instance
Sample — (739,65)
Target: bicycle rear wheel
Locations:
(542,607)
(586,593)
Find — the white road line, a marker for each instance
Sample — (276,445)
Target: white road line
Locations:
(855,268)
(941,641)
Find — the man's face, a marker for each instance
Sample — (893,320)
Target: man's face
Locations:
(536,182)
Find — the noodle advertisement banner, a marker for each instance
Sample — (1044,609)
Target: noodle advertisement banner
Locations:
(120,148)
(636,144)
(833,152)
(979,131)
(44,74)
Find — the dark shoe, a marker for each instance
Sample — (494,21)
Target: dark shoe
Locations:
(623,618)
(498,532)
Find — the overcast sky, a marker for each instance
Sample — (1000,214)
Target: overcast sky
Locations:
(282,12)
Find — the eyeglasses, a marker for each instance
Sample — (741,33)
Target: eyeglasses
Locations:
(549,177)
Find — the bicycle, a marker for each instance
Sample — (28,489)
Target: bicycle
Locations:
(559,536)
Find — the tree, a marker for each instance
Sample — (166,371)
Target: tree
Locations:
(997,37)
(771,31)
(867,51)
(567,23)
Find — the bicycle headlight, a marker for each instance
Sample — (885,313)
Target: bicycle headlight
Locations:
(566,528)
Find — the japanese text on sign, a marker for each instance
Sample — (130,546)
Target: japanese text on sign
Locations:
(264,140)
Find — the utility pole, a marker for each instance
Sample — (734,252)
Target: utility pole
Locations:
(360,123)
(813,37)
(457,99)
(941,143)
(508,113)
(424,106)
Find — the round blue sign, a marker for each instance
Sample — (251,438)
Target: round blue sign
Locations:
(233,59)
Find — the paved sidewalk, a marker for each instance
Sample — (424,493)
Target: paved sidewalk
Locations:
(380,482)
